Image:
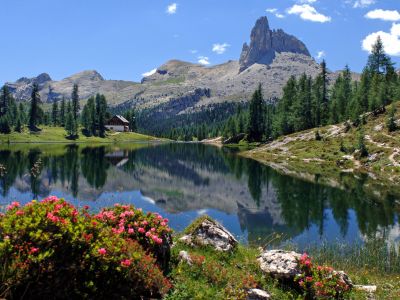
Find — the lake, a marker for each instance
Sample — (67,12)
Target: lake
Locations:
(184,181)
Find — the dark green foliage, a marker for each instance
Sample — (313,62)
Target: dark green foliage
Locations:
(4,125)
(130,115)
(70,126)
(62,112)
(361,144)
(255,129)
(317,136)
(101,110)
(34,111)
(391,122)
(75,102)
(54,114)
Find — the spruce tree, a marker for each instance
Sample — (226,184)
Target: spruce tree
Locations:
(86,120)
(324,95)
(34,110)
(391,122)
(75,102)
(255,128)
(62,112)
(93,115)
(54,114)
(132,120)
(22,114)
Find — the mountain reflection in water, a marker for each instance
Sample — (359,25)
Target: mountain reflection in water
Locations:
(183,181)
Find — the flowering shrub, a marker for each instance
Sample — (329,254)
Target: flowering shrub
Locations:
(320,282)
(151,230)
(49,249)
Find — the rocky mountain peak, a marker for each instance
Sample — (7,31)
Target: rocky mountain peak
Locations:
(264,43)
(90,75)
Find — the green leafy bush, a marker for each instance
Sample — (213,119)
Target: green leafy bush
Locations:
(50,249)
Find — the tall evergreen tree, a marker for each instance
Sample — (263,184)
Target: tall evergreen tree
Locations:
(255,128)
(86,120)
(34,110)
(324,95)
(75,102)
(62,112)
(54,114)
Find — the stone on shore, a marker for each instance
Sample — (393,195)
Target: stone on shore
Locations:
(210,233)
(257,294)
(280,264)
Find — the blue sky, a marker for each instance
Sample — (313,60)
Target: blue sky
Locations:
(123,39)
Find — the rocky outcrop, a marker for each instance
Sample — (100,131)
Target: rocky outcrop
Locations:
(280,264)
(22,88)
(264,43)
(257,294)
(210,233)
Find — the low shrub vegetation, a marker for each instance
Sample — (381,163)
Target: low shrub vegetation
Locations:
(50,249)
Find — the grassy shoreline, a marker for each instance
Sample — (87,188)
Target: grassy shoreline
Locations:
(58,135)
(333,159)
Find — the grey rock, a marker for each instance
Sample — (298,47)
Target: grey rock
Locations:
(257,294)
(184,256)
(265,43)
(366,288)
(213,234)
(280,264)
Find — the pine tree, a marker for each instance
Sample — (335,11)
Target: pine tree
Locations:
(283,122)
(34,110)
(62,112)
(75,102)
(70,125)
(4,100)
(101,109)
(4,125)
(54,114)
(22,114)
(255,128)
(86,120)
(324,95)
(361,144)
(132,120)
(93,116)
(391,122)
(378,61)
(18,125)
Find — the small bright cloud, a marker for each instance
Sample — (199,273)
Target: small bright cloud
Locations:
(275,12)
(308,13)
(363,3)
(390,40)
(171,9)
(385,15)
(193,51)
(149,73)
(321,54)
(308,1)
(220,48)
(203,60)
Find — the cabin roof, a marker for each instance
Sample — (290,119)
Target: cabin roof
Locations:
(121,118)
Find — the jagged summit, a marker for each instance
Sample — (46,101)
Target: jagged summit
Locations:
(264,43)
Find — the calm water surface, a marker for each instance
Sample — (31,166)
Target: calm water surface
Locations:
(183,181)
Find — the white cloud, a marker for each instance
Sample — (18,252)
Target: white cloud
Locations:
(307,1)
(193,51)
(363,3)
(171,9)
(203,60)
(385,15)
(321,54)
(220,48)
(390,40)
(275,12)
(149,73)
(309,13)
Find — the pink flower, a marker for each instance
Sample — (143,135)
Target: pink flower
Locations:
(50,199)
(102,251)
(163,224)
(126,262)
(141,230)
(159,217)
(13,205)
(130,230)
(33,250)
(166,220)
(144,223)
(19,212)
(148,233)
(159,241)
(86,207)
(318,284)
(309,279)
(153,229)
